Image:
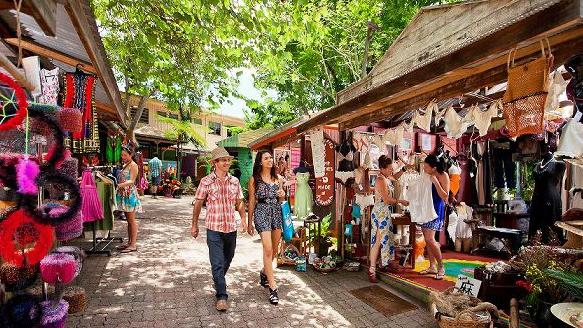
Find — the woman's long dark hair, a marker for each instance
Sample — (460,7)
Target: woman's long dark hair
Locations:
(257,168)
(437,162)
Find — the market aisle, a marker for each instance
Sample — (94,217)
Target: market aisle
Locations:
(168,284)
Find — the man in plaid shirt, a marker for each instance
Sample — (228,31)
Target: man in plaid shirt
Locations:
(223,194)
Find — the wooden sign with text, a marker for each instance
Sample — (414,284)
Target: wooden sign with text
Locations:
(325,184)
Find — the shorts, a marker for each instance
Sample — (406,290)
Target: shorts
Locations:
(156,181)
(267,217)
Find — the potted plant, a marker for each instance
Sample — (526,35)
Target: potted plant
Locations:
(538,263)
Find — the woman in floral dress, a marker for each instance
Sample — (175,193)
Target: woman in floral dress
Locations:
(381,233)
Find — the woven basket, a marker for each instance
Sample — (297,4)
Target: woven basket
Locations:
(465,319)
(525,115)
(77,299)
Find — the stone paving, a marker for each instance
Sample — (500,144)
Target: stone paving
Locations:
(168,284)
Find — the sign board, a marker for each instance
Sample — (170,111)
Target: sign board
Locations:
(467,285)
(325,184)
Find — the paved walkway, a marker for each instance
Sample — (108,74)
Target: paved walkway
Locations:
(168,284)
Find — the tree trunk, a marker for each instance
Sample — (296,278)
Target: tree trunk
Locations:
(131,135)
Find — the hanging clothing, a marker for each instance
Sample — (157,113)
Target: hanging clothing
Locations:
(381,224)
(557,86)
(91,207)
(49,80)
(455,125)
(318,153)
(106,193)
(483,119)
(304,198)
(546,205)
(455,176)
(418,194)
(463,230)
(504,167)
(439,207)
(571,142)
(423,121)
(113,149)
(127,198)
(80,93)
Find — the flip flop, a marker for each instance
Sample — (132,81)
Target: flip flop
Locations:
(128,250)
(428,271)
(121,247)
(439,275)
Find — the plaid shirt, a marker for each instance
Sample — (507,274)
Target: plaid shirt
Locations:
(155,166)
(221,198)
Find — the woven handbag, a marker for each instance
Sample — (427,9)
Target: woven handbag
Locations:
(526,93)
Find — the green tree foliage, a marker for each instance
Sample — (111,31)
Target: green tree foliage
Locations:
(175,50)
(314,48)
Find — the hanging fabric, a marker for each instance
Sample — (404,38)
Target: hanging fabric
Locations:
(483,119)
(455,125)
(80,93)
(420,199)
(317,143)
(526,94)
(423,121)
(49,80)
(91,207)
(557,86)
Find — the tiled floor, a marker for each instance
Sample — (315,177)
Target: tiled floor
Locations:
(168,284)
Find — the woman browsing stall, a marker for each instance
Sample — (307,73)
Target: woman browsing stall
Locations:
(127,198)
(435,166)
(381,226)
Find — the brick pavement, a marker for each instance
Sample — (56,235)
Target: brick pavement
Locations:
(168,284)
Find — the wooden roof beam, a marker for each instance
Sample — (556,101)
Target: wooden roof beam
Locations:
(52,54)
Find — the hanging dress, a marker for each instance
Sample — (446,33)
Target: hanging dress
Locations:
(455,176)
(381,224)
(127,198)
(304,197)
(439,206)
(91,207)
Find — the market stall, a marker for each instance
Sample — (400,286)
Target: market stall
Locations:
(482,86)
(56,88)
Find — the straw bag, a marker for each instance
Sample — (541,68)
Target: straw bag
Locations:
(526,93)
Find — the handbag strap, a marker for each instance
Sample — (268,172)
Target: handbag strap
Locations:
(513,51)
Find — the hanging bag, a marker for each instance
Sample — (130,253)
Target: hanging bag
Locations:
(288,226)
(526,93)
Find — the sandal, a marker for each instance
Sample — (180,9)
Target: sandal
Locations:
(428,271)
(128,250)
(440,274)
(122,247)
(372,277)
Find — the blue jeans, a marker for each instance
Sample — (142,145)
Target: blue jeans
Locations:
(221,251)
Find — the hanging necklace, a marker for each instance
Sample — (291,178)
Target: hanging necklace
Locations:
(542,166)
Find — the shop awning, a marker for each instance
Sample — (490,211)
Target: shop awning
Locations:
(452,49)
(243,139)
(76,41)
(280,136)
